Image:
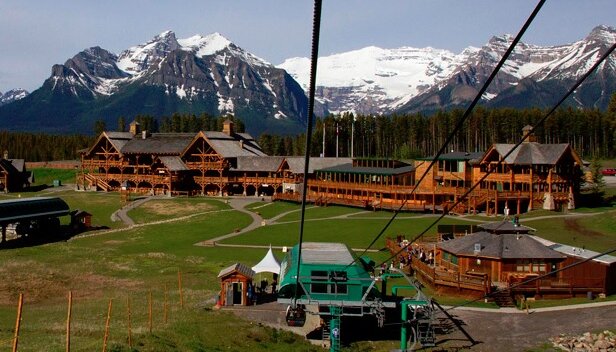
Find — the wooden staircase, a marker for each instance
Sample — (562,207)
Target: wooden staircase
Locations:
(98,183)
(503,299)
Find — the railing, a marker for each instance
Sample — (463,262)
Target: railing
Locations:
(441,276)
(135,178)
(553,285)
(208,165)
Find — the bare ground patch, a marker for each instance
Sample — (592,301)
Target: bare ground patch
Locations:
(169,208)
(39,283)
(574,225)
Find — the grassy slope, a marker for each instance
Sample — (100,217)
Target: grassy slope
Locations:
(135,261)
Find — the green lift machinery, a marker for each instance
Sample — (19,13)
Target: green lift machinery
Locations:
(332,283)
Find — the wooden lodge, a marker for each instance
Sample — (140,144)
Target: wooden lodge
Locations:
(505,255)
(228,163)
(13,174)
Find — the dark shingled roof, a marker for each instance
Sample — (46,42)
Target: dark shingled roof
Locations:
(238,144)
(506,246)
(350,169)
(159,144)
(240,268)
(118,139)
(457,156)
(532,153)
(505,227)
(173,163)
(8,166)
(296,163)
(258,163)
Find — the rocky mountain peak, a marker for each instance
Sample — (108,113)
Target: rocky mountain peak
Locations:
(139,58)
(602,34)
(12,95)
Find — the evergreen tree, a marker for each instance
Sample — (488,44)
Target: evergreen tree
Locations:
(99,127)
(121,124)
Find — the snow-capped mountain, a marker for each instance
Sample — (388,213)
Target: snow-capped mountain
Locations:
(213,75)
(12,95)
(166,75)
(375,80)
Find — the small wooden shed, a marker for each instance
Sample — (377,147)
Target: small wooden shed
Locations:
(81,218)
(234,285)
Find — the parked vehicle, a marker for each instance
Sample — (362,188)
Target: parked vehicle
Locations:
(609,172)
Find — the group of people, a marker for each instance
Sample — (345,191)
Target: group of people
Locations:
(254,291)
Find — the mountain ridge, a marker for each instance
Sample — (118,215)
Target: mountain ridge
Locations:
(211,74)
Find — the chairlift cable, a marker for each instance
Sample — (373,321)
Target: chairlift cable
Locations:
(462,119)
(316,27)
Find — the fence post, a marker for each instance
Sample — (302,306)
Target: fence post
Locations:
(165,305)
(68,321)
(150,311)
(107,326)
(18,321)
(130,344)
(180,289)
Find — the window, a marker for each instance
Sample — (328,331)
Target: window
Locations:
(530,266)
(333,282)
(316,286)
(448,257)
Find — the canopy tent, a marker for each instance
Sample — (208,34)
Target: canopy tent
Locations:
(269,264)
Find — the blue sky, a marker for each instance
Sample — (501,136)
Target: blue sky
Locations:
(36,34)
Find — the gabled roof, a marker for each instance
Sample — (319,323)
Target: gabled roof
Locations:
(237,267)
(159,144)
(296,163)
(7,165)
(259,163)
(505,246)
(232,146)
(117,140)
(532,153)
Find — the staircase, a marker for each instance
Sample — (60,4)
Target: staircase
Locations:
(325,337)
(98,183)
(503,299)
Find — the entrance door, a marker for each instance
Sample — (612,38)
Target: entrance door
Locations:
(237,292)
(229,294)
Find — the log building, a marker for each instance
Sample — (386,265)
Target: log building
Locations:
(225,163)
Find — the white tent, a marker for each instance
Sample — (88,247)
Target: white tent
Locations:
(269,264)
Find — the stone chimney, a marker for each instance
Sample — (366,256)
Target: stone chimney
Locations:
(5,155)
(134,128)
(144,134)
(227,127)
(531,137)
(241,144)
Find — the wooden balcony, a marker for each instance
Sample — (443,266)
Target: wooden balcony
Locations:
(551,286)
(198,165)
(363,187)
(435,276)
(134,178)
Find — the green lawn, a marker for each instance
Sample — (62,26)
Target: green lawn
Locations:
(268,210)
(46,176)
(134,261)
